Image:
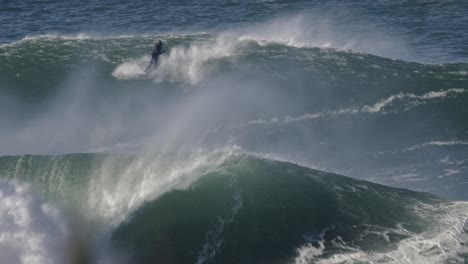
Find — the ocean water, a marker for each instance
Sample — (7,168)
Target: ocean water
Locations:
(268,132)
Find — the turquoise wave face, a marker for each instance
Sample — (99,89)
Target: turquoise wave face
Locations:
(261,211)
(232,207)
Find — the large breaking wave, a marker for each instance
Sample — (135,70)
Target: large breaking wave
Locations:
(230,206)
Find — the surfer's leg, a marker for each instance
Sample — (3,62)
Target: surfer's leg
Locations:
(149,66)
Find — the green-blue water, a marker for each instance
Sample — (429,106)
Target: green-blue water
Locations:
(230,150)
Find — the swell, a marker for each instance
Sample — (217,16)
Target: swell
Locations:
(192,58)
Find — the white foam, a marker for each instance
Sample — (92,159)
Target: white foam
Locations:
(190,64)
(32,231)
(449,172)
(308,252)
(437,143)
(304,117)
(181,64)
(131,69)
(443,241)
(78,36)
(378,107)
(407,177)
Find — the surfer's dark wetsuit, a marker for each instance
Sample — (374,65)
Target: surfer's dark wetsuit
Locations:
(155,54)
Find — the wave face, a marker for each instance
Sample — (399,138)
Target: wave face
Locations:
(259,211)
(241,208)
(230,149)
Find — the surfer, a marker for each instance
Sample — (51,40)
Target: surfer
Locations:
(155,54)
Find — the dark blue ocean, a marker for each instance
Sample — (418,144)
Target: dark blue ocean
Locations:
(266,131)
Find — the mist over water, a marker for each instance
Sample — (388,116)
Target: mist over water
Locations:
(232,144)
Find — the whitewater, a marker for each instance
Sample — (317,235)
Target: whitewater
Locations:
(268,132)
